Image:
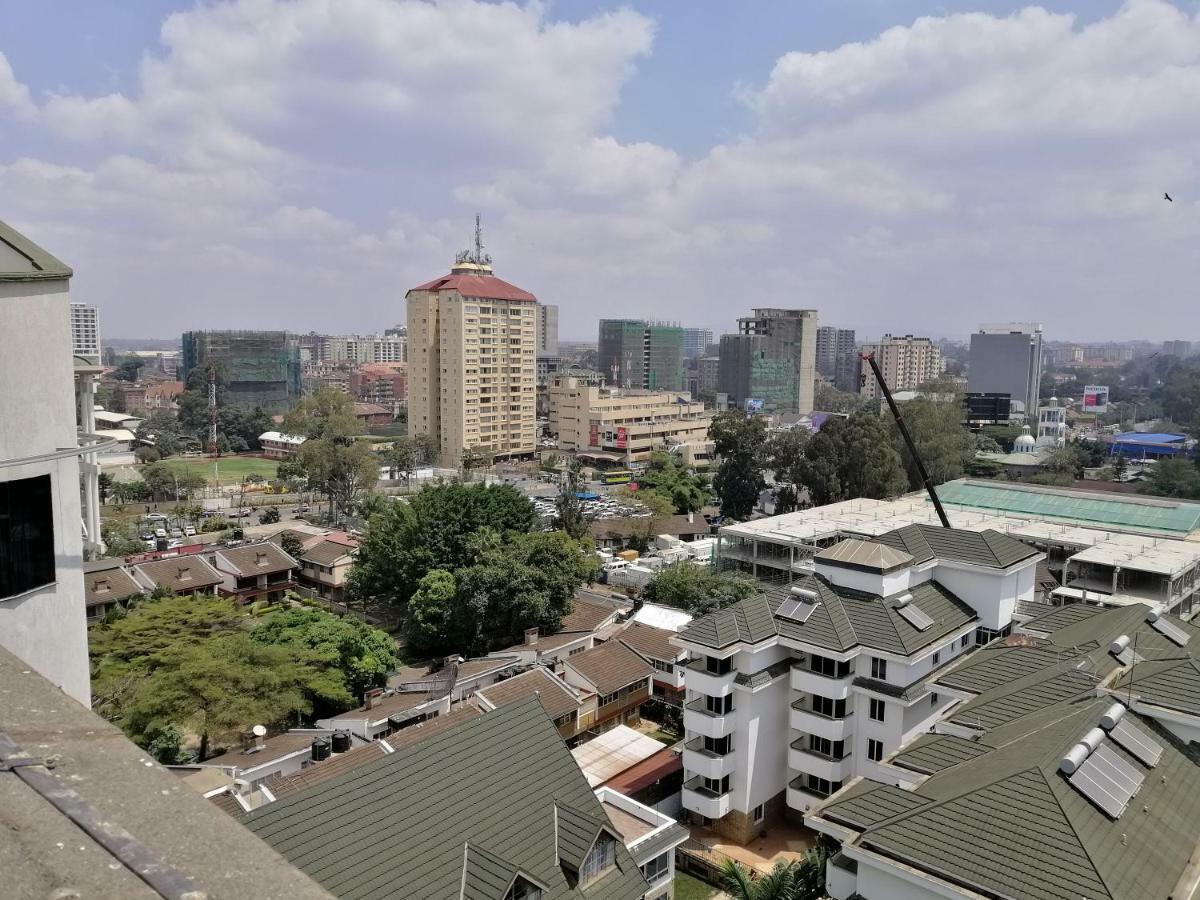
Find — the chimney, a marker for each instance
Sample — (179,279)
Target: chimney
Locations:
(371,698)
(531,636)
(691,517)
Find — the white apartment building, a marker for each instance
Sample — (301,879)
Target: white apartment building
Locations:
(547,329)
(907,362)
(42,602)
(472,359)
(363,348)
(623,425)
(796,691)
(85,332)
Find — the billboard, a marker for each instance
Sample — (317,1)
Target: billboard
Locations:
(1095,398)
(753,405)
(622,437)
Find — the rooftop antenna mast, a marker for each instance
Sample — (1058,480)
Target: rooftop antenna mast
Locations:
(908,441)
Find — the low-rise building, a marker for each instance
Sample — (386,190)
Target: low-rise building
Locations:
(383,714)
(572,712)
(277,445)
(460,678)
(373,414)
(654,645)
(622,425)
(650,837)
(108,586)
(183,576)
(325,564)
(618,677)
(259,571)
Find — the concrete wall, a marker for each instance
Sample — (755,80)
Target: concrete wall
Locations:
(47,628)
(882,882)
(992,595)
(760,737)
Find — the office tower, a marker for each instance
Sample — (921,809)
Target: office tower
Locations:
(637,354)
(41,542)
(754,377)
(262,368)
(472,360)
(1007,359)
(85,332)
(696,341)
(907,362)
(837,356)
(547,329)
(1177,348)
(791,334)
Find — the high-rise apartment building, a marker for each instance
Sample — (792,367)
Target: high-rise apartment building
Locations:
(634,353)
(1007,359)
(364,349)
(1177,348)
(85,332)
(472,361)
(791,335)
(262,367)
(907,362)
(547,329)
(753,377)
(837,356)
(696,342)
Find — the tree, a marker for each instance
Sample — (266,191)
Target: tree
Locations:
(291,544)
(658,507)
(1120,467)
(1174,478)
(936,427)
(851,458)
(982,443)
(166,744)
(331,458)
(797,879)
(402,458)
(474,458)
(433,530)
(698,590)
(1066,460)
(129,369)
(425,620)
(426,449)
(569,515)
(105,484)
(362,656)
(269,516)
(827,398)
(146,455)
(667,476)
(741,442)
(161,431)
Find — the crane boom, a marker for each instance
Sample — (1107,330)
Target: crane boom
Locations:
(908,441)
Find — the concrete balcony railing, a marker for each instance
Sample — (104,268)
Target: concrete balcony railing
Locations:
(699,799)
(809,762)
(705,762)
(799,797)
(698,720)
(810,682)
(802,718)
(702,681)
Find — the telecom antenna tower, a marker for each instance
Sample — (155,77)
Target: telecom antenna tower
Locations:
(213,448)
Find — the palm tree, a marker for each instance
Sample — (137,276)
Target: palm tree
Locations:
(778,884)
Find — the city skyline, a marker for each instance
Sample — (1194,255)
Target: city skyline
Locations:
(844,157)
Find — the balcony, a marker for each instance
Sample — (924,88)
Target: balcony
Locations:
(704,682)
(809,762)
(699,799)
(698,720)
(705,762)
(803,718)
(810,682)
(799,797)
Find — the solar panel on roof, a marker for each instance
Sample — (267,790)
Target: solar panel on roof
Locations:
(1136,742)
(795,610)
(914,617)
(1171,631)
(1107,781)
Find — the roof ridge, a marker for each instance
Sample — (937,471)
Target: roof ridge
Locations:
(1078,838)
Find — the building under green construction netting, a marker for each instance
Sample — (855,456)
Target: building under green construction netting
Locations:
(263,367)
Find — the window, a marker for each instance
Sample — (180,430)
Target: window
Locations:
(964,640)
(987,635)
(937,657)
(874,750)
(830,668)
(661,666)
(720,745)
(877,710)
(825,747)
(832,709)
(565,720)
(718,706)
(26,535)
(822,786)
(758,814)
(575,650)
(657,868)
(601,858)
(717,785)
(715,666)
(523,890)
(606,699)
(878,668)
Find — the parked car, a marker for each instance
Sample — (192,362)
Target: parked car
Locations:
(302,508)
(175,545)
(147,535)
(176,533)
(189,531)
(150,544)
(240,513)
(156,517)
(160,532)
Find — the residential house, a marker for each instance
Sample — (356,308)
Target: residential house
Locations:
(618,677)
(591,616)
(495,807)
(383,713)
(184,576)
(460,677)
(277,445)
(617,533)
(796,691)
(107,586)
(163,396)
(571,711)
(261,757)
(650,837)
(259,571)
(654,645)
(325,564)
(372,414)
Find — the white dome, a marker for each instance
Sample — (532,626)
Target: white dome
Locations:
(1025,442)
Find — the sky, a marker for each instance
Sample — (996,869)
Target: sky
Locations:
(901,167)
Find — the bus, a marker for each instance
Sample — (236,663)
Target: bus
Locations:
(617,476)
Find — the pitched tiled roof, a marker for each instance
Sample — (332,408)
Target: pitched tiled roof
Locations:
(28,261)
(982,548)
(619,529)
(286,785)
(585,615)
(610,666)
(931,753)
(263,558)
(107,582)
(650,641)
(557,698)
(388,706)
(870,555)
(400,826)
(749,621)
(180,574)
(326,553)
(486,287)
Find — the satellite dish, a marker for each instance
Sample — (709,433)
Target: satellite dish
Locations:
(259,731)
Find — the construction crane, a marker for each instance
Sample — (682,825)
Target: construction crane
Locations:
(908,441)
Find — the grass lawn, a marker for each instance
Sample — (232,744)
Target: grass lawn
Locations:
(688,887)
(232,469)
(667,737)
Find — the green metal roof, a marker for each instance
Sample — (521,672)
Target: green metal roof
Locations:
(1175,517)
(477,802)
(749,621)
(931,753)
(23,260)
(982,548)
